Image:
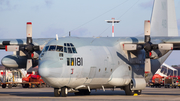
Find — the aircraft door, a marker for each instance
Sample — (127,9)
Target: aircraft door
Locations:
(91,75)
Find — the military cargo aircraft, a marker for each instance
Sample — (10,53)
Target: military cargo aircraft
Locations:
(79,65)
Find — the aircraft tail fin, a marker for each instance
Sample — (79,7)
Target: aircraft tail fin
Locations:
(163,19)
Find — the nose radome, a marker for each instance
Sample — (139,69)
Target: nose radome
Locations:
(44,69)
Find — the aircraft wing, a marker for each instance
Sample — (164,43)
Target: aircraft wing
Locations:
(36,41)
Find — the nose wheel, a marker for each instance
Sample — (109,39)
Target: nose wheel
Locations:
(57,92)
(64,91)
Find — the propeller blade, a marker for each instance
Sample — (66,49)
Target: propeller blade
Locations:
(131,47)
(29,33)
(147,27)
(11,48)
(41,47)
(38,48)
(147,65)
(29,66)
(165,46)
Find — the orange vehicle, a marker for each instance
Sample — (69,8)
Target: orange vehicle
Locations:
(33,81)
(157,81)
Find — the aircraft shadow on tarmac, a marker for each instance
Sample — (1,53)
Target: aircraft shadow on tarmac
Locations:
(93,93)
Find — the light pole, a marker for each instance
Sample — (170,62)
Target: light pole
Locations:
(112,21)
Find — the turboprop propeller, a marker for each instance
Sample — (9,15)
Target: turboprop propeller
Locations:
(28,49)
(148,46)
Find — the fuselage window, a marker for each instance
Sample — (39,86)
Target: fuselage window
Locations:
(46,48)
(65,50)
(60,54)
(74,50)
(69,50)
(52,48)
(59,48)
(72,61)
(68,60)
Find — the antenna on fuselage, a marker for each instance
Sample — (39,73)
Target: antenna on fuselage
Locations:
(69,33)
(112,21)
(56,37)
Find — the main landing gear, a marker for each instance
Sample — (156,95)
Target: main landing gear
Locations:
(128,90)
(63,92)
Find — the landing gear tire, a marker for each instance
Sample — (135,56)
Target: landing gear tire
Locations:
(64,91)
(39,86)
(33,86)
(128,90)
(9,85)
(57,92)
(138,92)
(3,85)
(43,86)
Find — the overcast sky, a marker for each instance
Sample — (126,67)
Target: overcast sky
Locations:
(84,18)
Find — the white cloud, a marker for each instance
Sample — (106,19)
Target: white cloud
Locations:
(6,5)
(81,32)
(48,2)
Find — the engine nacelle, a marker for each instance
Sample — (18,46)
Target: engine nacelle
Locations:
(16,62)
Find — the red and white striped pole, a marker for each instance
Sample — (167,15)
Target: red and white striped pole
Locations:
(112,21)
(113,27)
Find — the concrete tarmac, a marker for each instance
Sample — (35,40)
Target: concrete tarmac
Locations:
(47,94)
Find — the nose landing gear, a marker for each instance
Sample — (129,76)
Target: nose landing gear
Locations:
(63,92)
(57,92)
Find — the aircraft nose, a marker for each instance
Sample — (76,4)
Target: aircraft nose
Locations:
(44,69)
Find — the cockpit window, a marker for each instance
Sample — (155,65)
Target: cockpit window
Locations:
(65,50)
(69,50)
(46,48)
(59,48)
(52,48)
(71,44)
(74,50)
